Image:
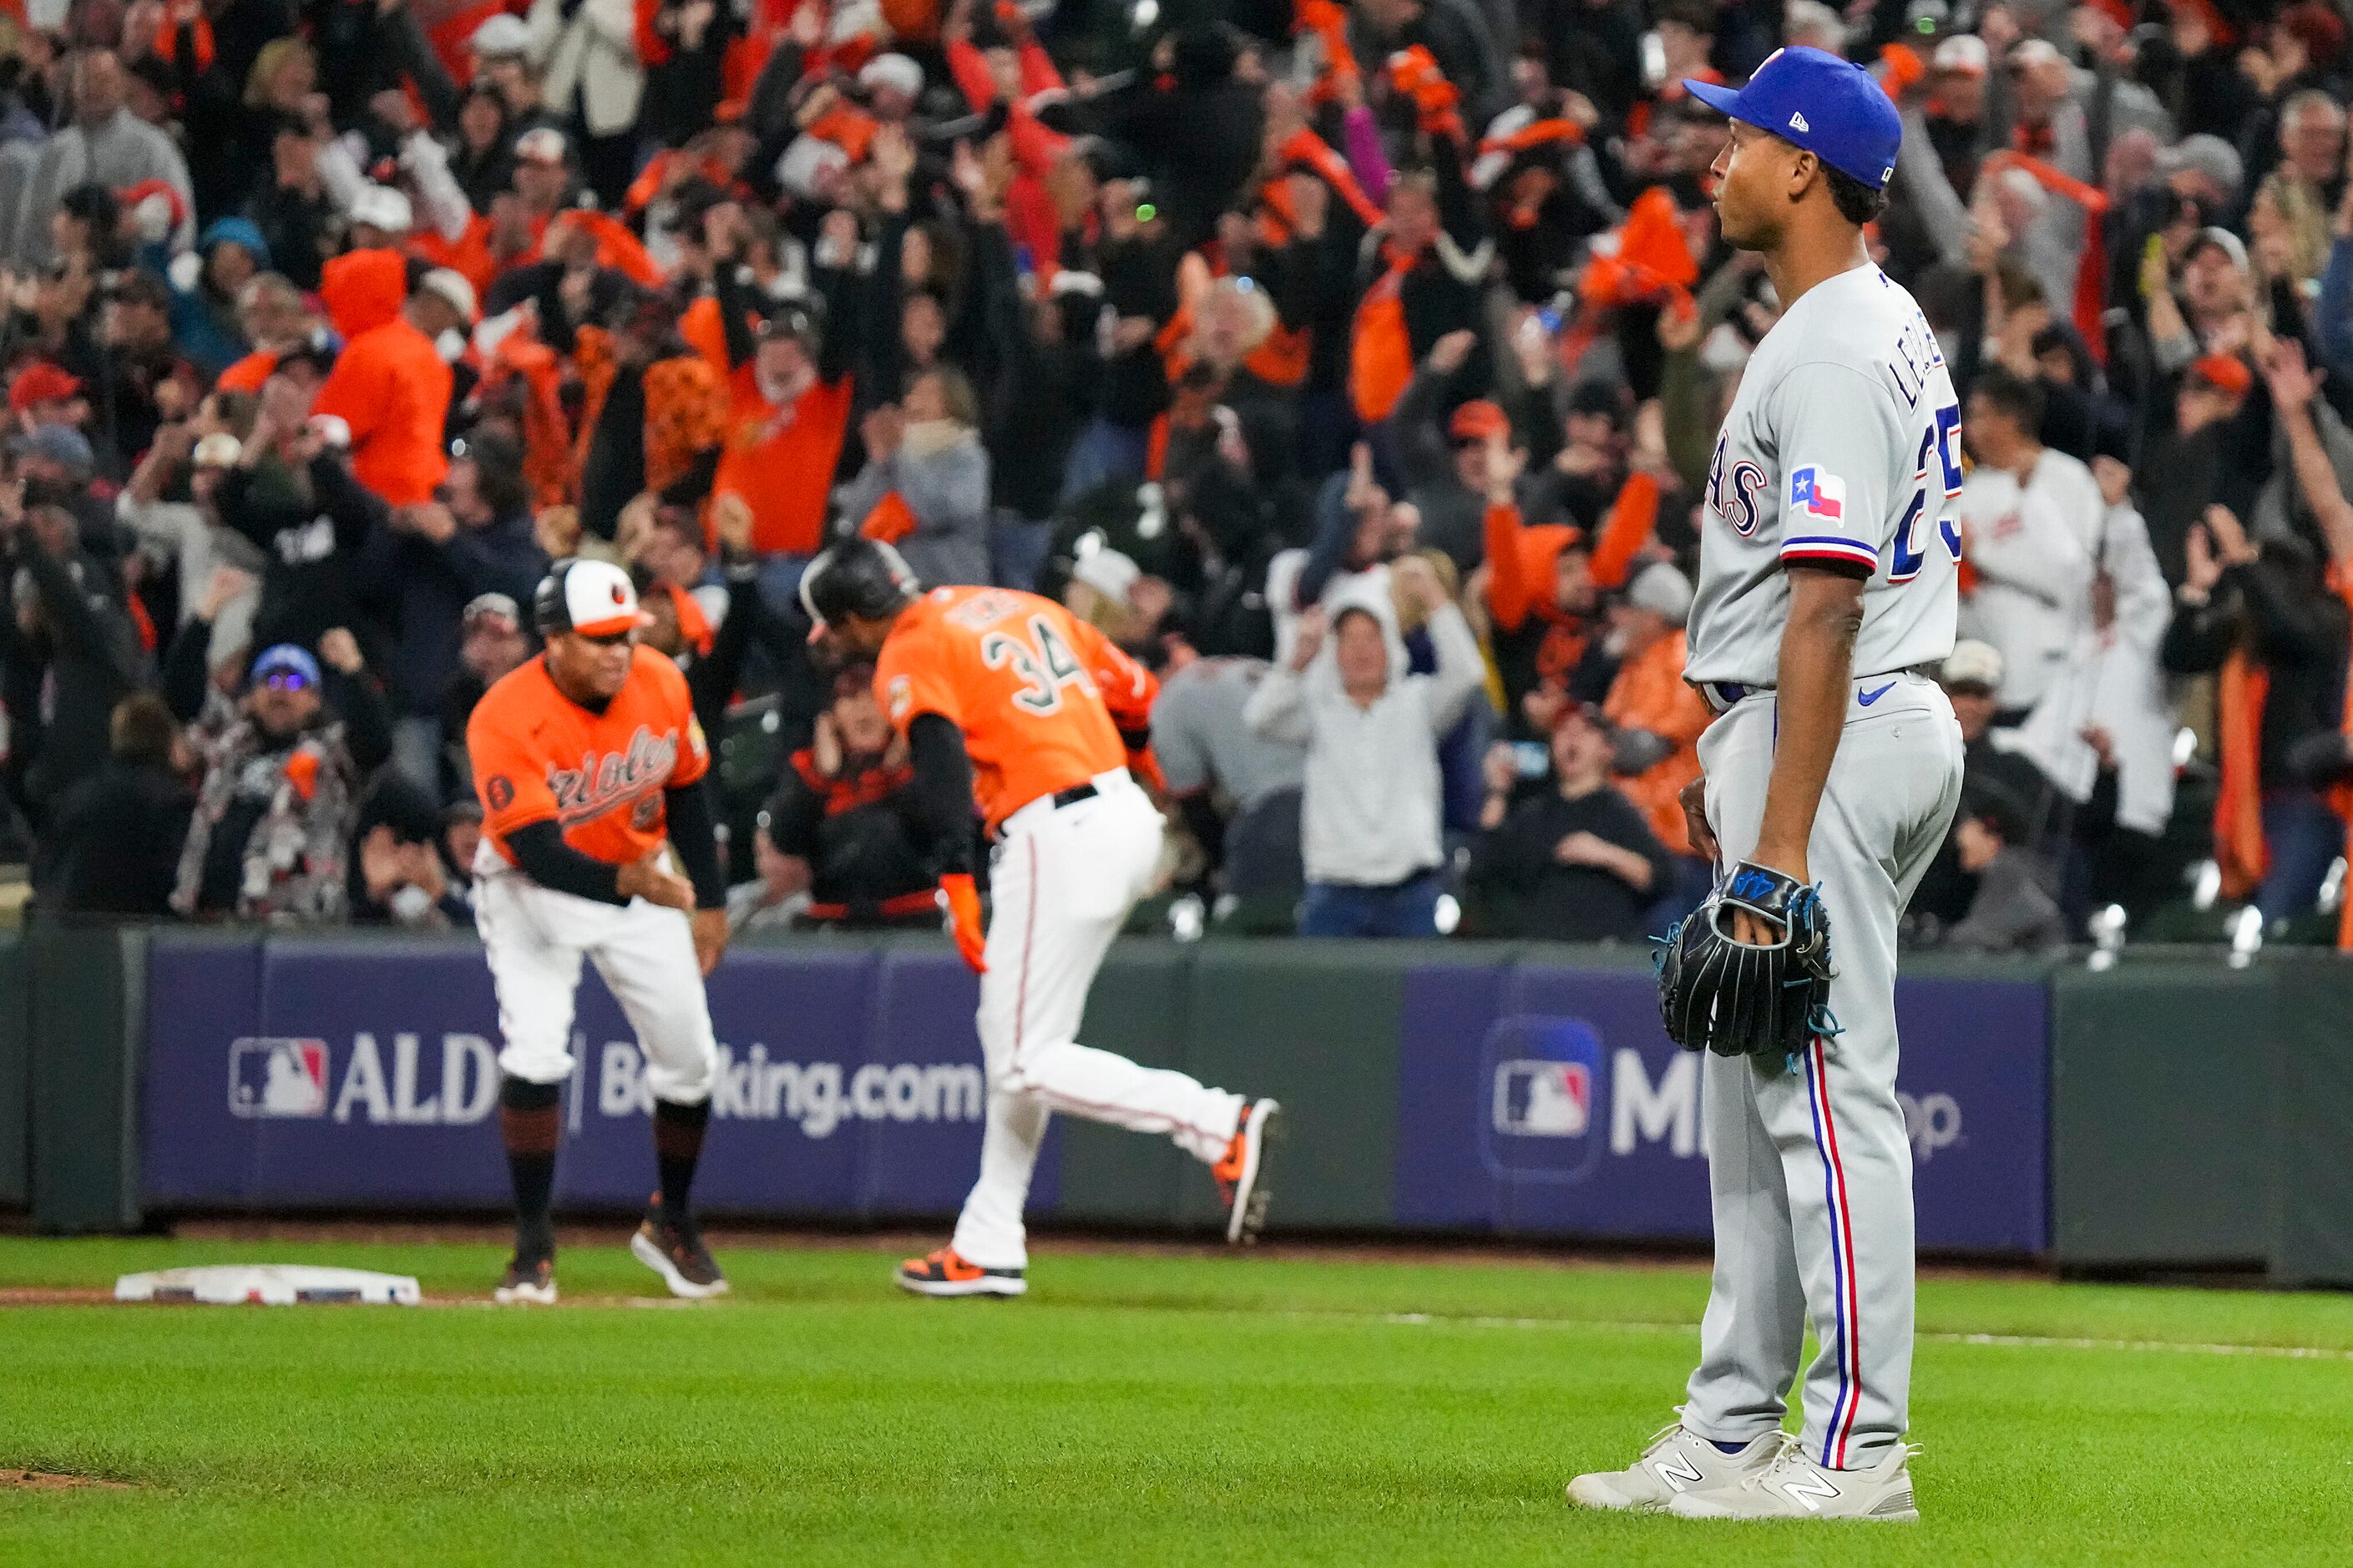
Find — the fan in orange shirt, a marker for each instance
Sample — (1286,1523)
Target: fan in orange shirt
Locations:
(1008,699)
(789,394)
(391,389)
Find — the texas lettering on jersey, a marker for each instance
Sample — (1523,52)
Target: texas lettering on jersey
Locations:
(539,755)
(1041,696)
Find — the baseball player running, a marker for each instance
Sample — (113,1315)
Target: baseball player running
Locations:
(1828,579)
(586,758)
(1008,699)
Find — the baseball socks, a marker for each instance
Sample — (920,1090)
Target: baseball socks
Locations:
(531,1121)
(669,1242)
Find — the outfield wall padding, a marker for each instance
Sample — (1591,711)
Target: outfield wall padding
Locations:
(1523,1091)
(84,1007)
(2314,1170)
(2166,1093)
(16,1075)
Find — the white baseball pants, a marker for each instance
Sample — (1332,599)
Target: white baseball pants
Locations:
(1810,1170)
(1062,881)
(535,938)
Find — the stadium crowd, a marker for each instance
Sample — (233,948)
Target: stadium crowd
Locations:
(1358,365)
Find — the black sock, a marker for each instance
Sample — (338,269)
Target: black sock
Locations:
(678,1145)
(531,1119)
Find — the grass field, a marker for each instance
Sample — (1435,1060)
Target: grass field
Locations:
(1154,1408)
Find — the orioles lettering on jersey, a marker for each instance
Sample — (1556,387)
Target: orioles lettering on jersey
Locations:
(601,783)
(539,755)
(1041,696)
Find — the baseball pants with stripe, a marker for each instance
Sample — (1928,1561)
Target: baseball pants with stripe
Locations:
(1809,1168)
(1062,881)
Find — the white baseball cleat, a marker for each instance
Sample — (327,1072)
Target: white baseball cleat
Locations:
(1675,1463)
(527,1283)
(1240,1172)
(1797,1486)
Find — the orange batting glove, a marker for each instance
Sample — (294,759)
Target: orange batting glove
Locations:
(964,919)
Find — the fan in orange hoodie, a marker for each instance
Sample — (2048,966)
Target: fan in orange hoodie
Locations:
(1545,582)
(1649,696)
(391,389)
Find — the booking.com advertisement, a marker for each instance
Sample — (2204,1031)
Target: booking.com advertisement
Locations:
(341,1076)
(1534,1100)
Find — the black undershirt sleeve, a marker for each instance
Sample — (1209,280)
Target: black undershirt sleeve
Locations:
(688,807)
(942,790)
(540,850)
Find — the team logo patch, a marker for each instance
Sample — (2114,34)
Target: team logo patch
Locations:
(498,792)
(1817,492)
(898,697)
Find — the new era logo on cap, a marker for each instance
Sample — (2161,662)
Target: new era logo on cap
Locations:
(1797,86)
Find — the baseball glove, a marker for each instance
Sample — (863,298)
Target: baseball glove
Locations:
(1736,999)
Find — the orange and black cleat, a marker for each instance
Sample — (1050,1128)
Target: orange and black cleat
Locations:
(1241,1172)
(945,1273)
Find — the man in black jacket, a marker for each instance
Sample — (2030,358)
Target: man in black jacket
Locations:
(69,649)
(1576,863)
(114,847)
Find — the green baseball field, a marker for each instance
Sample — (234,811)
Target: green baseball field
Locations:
(1160,1406)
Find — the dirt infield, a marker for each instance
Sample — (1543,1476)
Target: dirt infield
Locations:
(42,1296)
(1434,1250)
(50,1481)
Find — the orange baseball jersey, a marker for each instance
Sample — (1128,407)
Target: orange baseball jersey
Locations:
(537,755)
(1041,696)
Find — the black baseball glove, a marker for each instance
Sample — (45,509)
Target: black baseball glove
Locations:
(1736,999)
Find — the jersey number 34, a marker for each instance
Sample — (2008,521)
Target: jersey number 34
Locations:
(1043,661)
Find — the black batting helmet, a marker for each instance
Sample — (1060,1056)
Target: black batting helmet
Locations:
(862,577)
(594,597)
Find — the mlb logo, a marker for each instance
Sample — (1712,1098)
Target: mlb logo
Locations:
(1540,1100)
(277,1077)
(1817,492)
(1544,1100)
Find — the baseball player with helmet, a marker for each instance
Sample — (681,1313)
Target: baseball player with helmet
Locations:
(1009,701)
(588,760)
(1827,595)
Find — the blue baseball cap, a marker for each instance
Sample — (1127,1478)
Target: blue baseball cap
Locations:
(1811,99)
(286,658)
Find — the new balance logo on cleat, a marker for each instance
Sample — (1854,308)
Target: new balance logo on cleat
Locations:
(1676,1464)
(1795,1486)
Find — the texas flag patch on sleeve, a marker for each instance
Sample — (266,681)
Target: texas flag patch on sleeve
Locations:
(1817,492)
(1816,532)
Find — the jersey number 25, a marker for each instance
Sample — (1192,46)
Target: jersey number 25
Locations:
(1944,439)
(1043,661)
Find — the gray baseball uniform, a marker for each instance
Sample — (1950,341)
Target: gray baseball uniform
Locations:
(1842,450)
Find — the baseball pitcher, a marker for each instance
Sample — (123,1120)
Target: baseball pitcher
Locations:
(1827,592)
